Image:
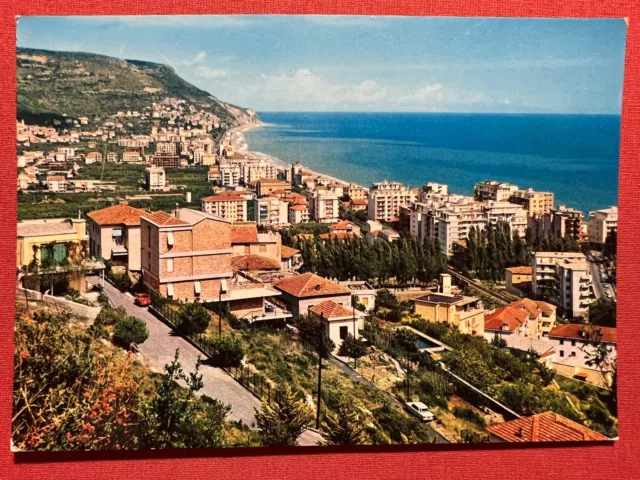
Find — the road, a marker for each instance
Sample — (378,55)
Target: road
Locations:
(598,288)
(159,350)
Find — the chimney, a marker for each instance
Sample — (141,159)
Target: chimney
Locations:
(445,283)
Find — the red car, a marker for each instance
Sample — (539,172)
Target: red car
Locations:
(142,300)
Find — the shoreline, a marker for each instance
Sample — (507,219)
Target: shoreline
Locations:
(239,144)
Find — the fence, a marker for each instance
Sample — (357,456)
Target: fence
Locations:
(84,313)
(256,383)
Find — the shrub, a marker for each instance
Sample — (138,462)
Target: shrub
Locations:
(193,318)
(130,329)
(227,351)
(110,316)
(466,413)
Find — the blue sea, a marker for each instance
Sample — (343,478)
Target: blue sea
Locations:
(573,156)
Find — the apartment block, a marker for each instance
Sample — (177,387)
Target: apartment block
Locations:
(559,222)
(493,190)
(253,171)
(535,203)
(266,186)
(270,211)
(229,175)
(386,198)
(601,222)
(298,213)
(155,178)
(228,207)
(325,206)
(514,215)
(563,279)
(355,192)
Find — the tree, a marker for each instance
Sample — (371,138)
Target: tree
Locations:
(353,348)
(110,316)
(193,318)
(130,330)
(406,340)
(282,423)
(546,374)
(498,342)
(345,428)
(602,313)
(228,350)
(314,334)
(611,244)
(176,417)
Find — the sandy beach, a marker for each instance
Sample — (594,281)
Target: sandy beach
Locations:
(235,138)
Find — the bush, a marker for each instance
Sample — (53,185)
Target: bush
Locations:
(130,329)
(466,413)
(110,316)
(193,318)
(121,281)
(228,350)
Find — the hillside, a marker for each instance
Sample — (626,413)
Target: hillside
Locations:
(73,84)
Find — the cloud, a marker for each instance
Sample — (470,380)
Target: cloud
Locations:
(439,97)
(199,58)
(208,73)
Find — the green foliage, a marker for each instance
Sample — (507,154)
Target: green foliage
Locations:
(610,249)
(388,307)
(121,280)
(470,365)
(467,413)
(282,423)
(315,334)
(352,347)
(344,428)
(228,350)
(398,425)
(130,330)
(498,342)
(110,316)
(405,260)
(602,313)
(546,374)
(470,436)
(193,318)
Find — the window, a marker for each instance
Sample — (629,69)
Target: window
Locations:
(562,341)
(343,332)
(196,288)
(247,249)
(170,239)
(573,354)
(169,264)
(562,353)
(169,289)
(573,343)
(364,301)
(263,248)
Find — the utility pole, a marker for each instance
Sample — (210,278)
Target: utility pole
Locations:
(220,311)
(320,351)
(355,335)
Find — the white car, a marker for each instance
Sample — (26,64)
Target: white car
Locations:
(420,410)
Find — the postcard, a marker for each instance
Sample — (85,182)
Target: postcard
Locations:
(246,231)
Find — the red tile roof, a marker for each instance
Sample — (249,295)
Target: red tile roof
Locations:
(329,309)
(163,218)
(56,178)
(359,201)
(544,427)
(511,316)
(343,225)
(254,262)
(121,214)
(521,270)
(336,235)
(310,285)
(579,331)
(288,252)
(244,234)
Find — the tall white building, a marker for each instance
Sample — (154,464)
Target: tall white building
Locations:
(601,222)
(325,206)
(386,198)
(492,190)
(514,215)
(270,211)
(155,178)
(564,279)
(229,175)
(228,207)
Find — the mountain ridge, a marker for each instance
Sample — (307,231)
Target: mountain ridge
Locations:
(74,84)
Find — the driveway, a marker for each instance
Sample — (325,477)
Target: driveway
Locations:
(159,350)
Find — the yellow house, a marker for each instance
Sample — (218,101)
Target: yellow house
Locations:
(464,313)
(55,245)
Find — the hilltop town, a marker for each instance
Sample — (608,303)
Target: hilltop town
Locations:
(496,310)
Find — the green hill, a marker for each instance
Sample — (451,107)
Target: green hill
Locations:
(52,84)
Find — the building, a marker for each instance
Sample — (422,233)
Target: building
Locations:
(166,148)
(386,198)
(114,234)
(564,279)
(534,203)
(298,213)
(601,222)
(54,245)
(518,280)
(345,226)
(355,192)
(57,183)
(131,156)
(492,190)
(213,175)
(325,206)
(270,211)
(465,313)
(358,205)
(155,178)
(453,223)
(301,292)
(574,344)
(339,321)
(228,207)
(266,186)
(230,175)
(362,293)
(505,212)
(253,171)
(93,157)
(524,317)
(543,427)
(559,222)
(245,240)
(166,160)
(112,157)
(290,259)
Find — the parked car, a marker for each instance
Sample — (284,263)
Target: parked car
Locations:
(142,300)
(420,410)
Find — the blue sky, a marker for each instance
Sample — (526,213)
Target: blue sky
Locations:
(316,63)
